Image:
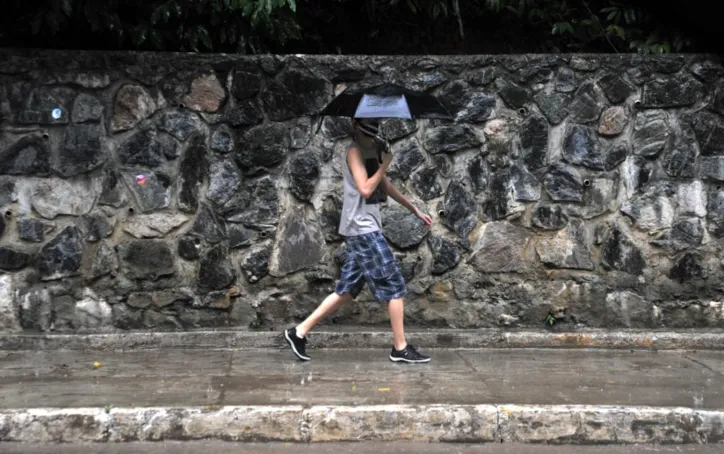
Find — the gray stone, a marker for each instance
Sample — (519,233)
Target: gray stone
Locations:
(715,213)
(654,209)
(513,94)
(91,313)
(480,107)
(482,77)
(563,184)
(567,249)
(111,191)
(534,141)
(691,198)
(586,105)
(81,151)
(243,113)
(206,94)
(299,242)
(335,128)
(651,133)
(501,248)
(86,108)
(402,228)
(585,63)
(256,264)
(709,130)
(426,81)
(147,259)
(621,254)
(256,204)
(300,134)
(151,189)
(525,185)
(677,91)
(39,107)
(13,259)
(582,147)
(295,93)
(104,261)
(565,80)
(628,309)
(62,256)
(427,183)
(615,88)
(28,156)
(147,148)
(154,225)
(684,234)
(224,181)
(54,197)
(263,146)
(247,81)
(460,210)
(688,268)
(132,105)
(208,225)
(192,174)
(304,170)
(549,217)
(613,121)
(215,270)
(553,105)
(222,140)
(34,230)
(329,218)
(188,247)
(503,191)
(181,124)
(239,236)
(397,128)
(96,226)
(450,139)
(598,198)
(444,164)
(407,157)
(479,173)
(707,71)
(445,254)
(679,159)
(37,311)
(126,318)
(7,192)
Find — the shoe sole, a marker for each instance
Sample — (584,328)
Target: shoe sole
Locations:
(294,349)
(403,360)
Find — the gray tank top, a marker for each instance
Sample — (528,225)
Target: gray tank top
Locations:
(360,216)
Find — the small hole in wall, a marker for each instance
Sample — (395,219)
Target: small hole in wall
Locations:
(8,213)
(131,210)
(419,259)
(586,182)
(718,188)
(264,234)
(523,111)
(637,103)
(182,106)
(197,241)
(46,135)
(441,213)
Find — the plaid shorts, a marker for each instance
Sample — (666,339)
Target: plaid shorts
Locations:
(370,260)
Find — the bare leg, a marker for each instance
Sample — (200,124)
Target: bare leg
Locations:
(329,305)
(397,315)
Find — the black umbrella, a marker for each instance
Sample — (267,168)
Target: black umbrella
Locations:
(387,101)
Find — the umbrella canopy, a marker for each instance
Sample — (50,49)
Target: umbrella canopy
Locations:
(387,101)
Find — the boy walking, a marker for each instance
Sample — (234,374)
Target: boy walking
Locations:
(369,258)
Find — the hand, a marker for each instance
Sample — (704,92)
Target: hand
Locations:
(427,220)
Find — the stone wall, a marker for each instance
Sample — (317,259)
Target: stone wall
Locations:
(177,191)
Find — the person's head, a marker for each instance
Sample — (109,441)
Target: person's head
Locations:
(366,129)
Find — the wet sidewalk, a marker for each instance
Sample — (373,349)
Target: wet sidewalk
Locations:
(361,377)
(516,395)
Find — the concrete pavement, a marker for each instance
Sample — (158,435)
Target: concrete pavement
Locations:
(216,447)
(486,395)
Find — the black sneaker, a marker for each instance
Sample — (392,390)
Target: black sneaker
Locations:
(408,355)
(298,345)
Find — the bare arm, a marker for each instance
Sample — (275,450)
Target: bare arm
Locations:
(393,192)
(402,200)
(365,185)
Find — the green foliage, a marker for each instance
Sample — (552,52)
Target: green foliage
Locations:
(253,26)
